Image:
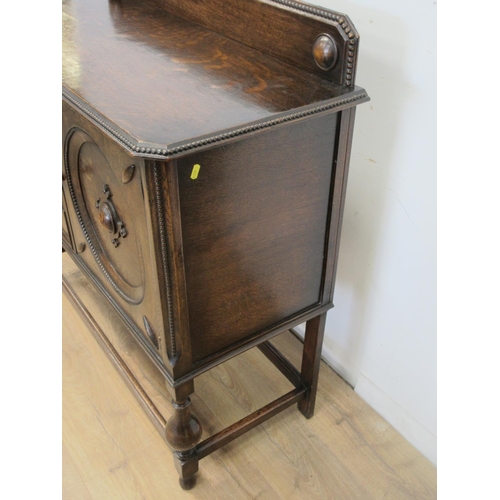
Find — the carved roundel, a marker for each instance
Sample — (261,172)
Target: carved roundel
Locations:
(325,52)
(103,204)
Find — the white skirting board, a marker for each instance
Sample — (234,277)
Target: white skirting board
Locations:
(411,429)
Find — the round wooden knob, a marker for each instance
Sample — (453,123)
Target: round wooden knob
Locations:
(106,217)
(325,52)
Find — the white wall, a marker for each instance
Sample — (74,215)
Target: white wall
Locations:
(381,335)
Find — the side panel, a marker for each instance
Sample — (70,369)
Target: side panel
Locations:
(254,228)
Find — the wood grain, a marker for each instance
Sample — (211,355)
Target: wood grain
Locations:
(284,29)
(111,450)
(164,79)
(248,263)
(226,242)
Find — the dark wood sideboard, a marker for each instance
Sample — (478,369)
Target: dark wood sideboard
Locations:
(205,154)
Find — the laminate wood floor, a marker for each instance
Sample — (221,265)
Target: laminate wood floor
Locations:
(111,450)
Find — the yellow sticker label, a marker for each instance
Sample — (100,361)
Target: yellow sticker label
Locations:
(195,171)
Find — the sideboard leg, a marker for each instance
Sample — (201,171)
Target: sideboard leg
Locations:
(182,433)
(311,358)
(187,467)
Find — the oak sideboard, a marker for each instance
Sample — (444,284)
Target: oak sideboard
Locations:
(206,147)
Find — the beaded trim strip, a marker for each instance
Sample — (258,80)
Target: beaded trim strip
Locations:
(164,256)
(153,152)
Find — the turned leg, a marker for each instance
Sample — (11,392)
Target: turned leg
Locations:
(311,358)
(182,433)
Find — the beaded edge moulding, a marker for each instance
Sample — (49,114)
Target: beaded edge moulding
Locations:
(164,152)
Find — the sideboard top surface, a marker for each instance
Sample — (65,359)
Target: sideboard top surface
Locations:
(165,80)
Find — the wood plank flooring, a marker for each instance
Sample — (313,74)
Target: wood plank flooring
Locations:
(111,450)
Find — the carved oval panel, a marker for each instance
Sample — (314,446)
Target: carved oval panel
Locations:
(103,205)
